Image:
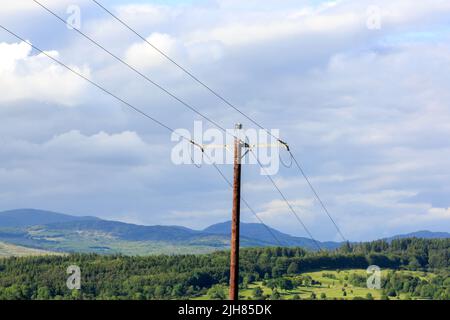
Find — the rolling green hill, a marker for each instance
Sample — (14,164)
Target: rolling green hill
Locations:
(59,232)
(64,233)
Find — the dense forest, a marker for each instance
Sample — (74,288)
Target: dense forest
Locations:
(188,276)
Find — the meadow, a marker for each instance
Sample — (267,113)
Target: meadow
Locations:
(325,285)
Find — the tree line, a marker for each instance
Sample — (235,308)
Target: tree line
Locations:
(187,276)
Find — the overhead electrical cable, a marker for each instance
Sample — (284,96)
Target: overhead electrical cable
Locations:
(135,70)
(291,208)
(227,102)
(136,109)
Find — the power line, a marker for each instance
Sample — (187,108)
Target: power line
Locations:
(190,74)
(184,103)
(151,81)
(317,195)
(223,99)
(95,84)
(138,110)
(288,203)
(248,206)
(166,90)
(189,106)
(253,211)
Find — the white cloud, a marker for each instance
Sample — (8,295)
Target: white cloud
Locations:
(11,53)
(123,149)
(25,76)
(365,111)
(440,213)
(148,13)
(423,219)
(142,55)
(234,33)
(278,212)
(21,6)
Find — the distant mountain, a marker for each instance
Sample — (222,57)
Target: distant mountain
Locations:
(65,233)
(61,232)
(30,217)
(127,231)
(268,235)
(421,234)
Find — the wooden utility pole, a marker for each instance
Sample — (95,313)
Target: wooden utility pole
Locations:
(235,221)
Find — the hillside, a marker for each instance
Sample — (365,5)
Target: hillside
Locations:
(422,235)
(60,232)
(30,217)
(10,250)
(65,233)
(261,232)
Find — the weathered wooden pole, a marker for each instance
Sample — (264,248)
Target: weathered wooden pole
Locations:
(235,221)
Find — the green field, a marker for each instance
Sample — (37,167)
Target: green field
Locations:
(330,285)
(10,250)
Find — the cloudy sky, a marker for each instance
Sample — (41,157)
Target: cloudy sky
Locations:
(360,90)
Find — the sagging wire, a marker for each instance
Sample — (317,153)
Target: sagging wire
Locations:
(283,162)
(195,144)
(286,146)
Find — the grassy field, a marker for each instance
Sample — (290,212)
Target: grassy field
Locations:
(332,288)
(10,250)
(329,288)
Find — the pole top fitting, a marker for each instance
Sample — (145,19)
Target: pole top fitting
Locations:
(238,126)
